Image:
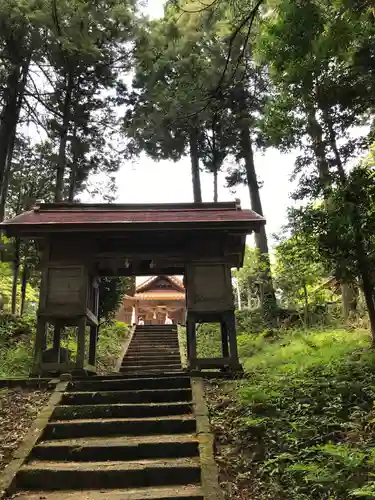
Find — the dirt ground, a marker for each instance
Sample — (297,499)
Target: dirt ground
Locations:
(18,409)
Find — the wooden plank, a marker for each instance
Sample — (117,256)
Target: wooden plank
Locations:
(92,319)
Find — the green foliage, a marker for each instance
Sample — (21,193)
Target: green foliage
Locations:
(111,294)
(6,280)
(303,418)
(209,341)
(16,345)
(250,277)
(298,271)
(338,224)
(111,340)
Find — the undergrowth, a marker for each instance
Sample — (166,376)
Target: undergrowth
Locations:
(302,424)
(17,343)
(111,339)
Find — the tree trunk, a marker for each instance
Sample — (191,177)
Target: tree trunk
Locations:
(8,119)
(73,170)
(306,308)
(16,268)
(25,273)
(4,191)
(261,237)
(61,162)
(216,197)
(20,93)
(364,267)
(248,298)
(238,293)
(332,142)
(194,157)
(315,132)
(348,291)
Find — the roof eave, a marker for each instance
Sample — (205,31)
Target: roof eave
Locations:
(39,230)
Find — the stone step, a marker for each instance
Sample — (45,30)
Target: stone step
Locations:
(150,367)
(180,492)
(157,335)
(128,396)
(151,370)
(154,349)
(182,424)
(154,345)
(71,412)
(152,352)
(104,475)
(118,448)
(130,384)
(156,327)
(155,340)
(142,336)
(162,360)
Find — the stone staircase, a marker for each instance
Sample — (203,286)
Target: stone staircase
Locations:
(128,438)
(153,349)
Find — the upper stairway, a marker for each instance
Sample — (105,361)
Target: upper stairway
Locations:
(153,349)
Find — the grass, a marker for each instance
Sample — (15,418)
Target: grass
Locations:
(302,424)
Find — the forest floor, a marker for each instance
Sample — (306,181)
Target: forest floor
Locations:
(18,410)
(19,407)
(301,424)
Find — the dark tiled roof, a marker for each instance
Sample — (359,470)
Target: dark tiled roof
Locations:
(61,214)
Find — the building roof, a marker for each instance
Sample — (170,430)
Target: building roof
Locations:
(147,290)
(73,216)
(148,284)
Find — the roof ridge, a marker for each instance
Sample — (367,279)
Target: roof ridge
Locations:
(136,207)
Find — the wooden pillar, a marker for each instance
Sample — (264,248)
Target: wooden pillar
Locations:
(40,343)
(136,313)
(93,344)
(191,334)
(56,341)
(81,334)
(232,337)
(224,339)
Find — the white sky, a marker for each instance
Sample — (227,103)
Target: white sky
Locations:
(146,181)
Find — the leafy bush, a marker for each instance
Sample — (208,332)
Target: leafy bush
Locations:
(16,345)
(301,426)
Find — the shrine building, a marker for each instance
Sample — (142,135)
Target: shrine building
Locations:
(155,300)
